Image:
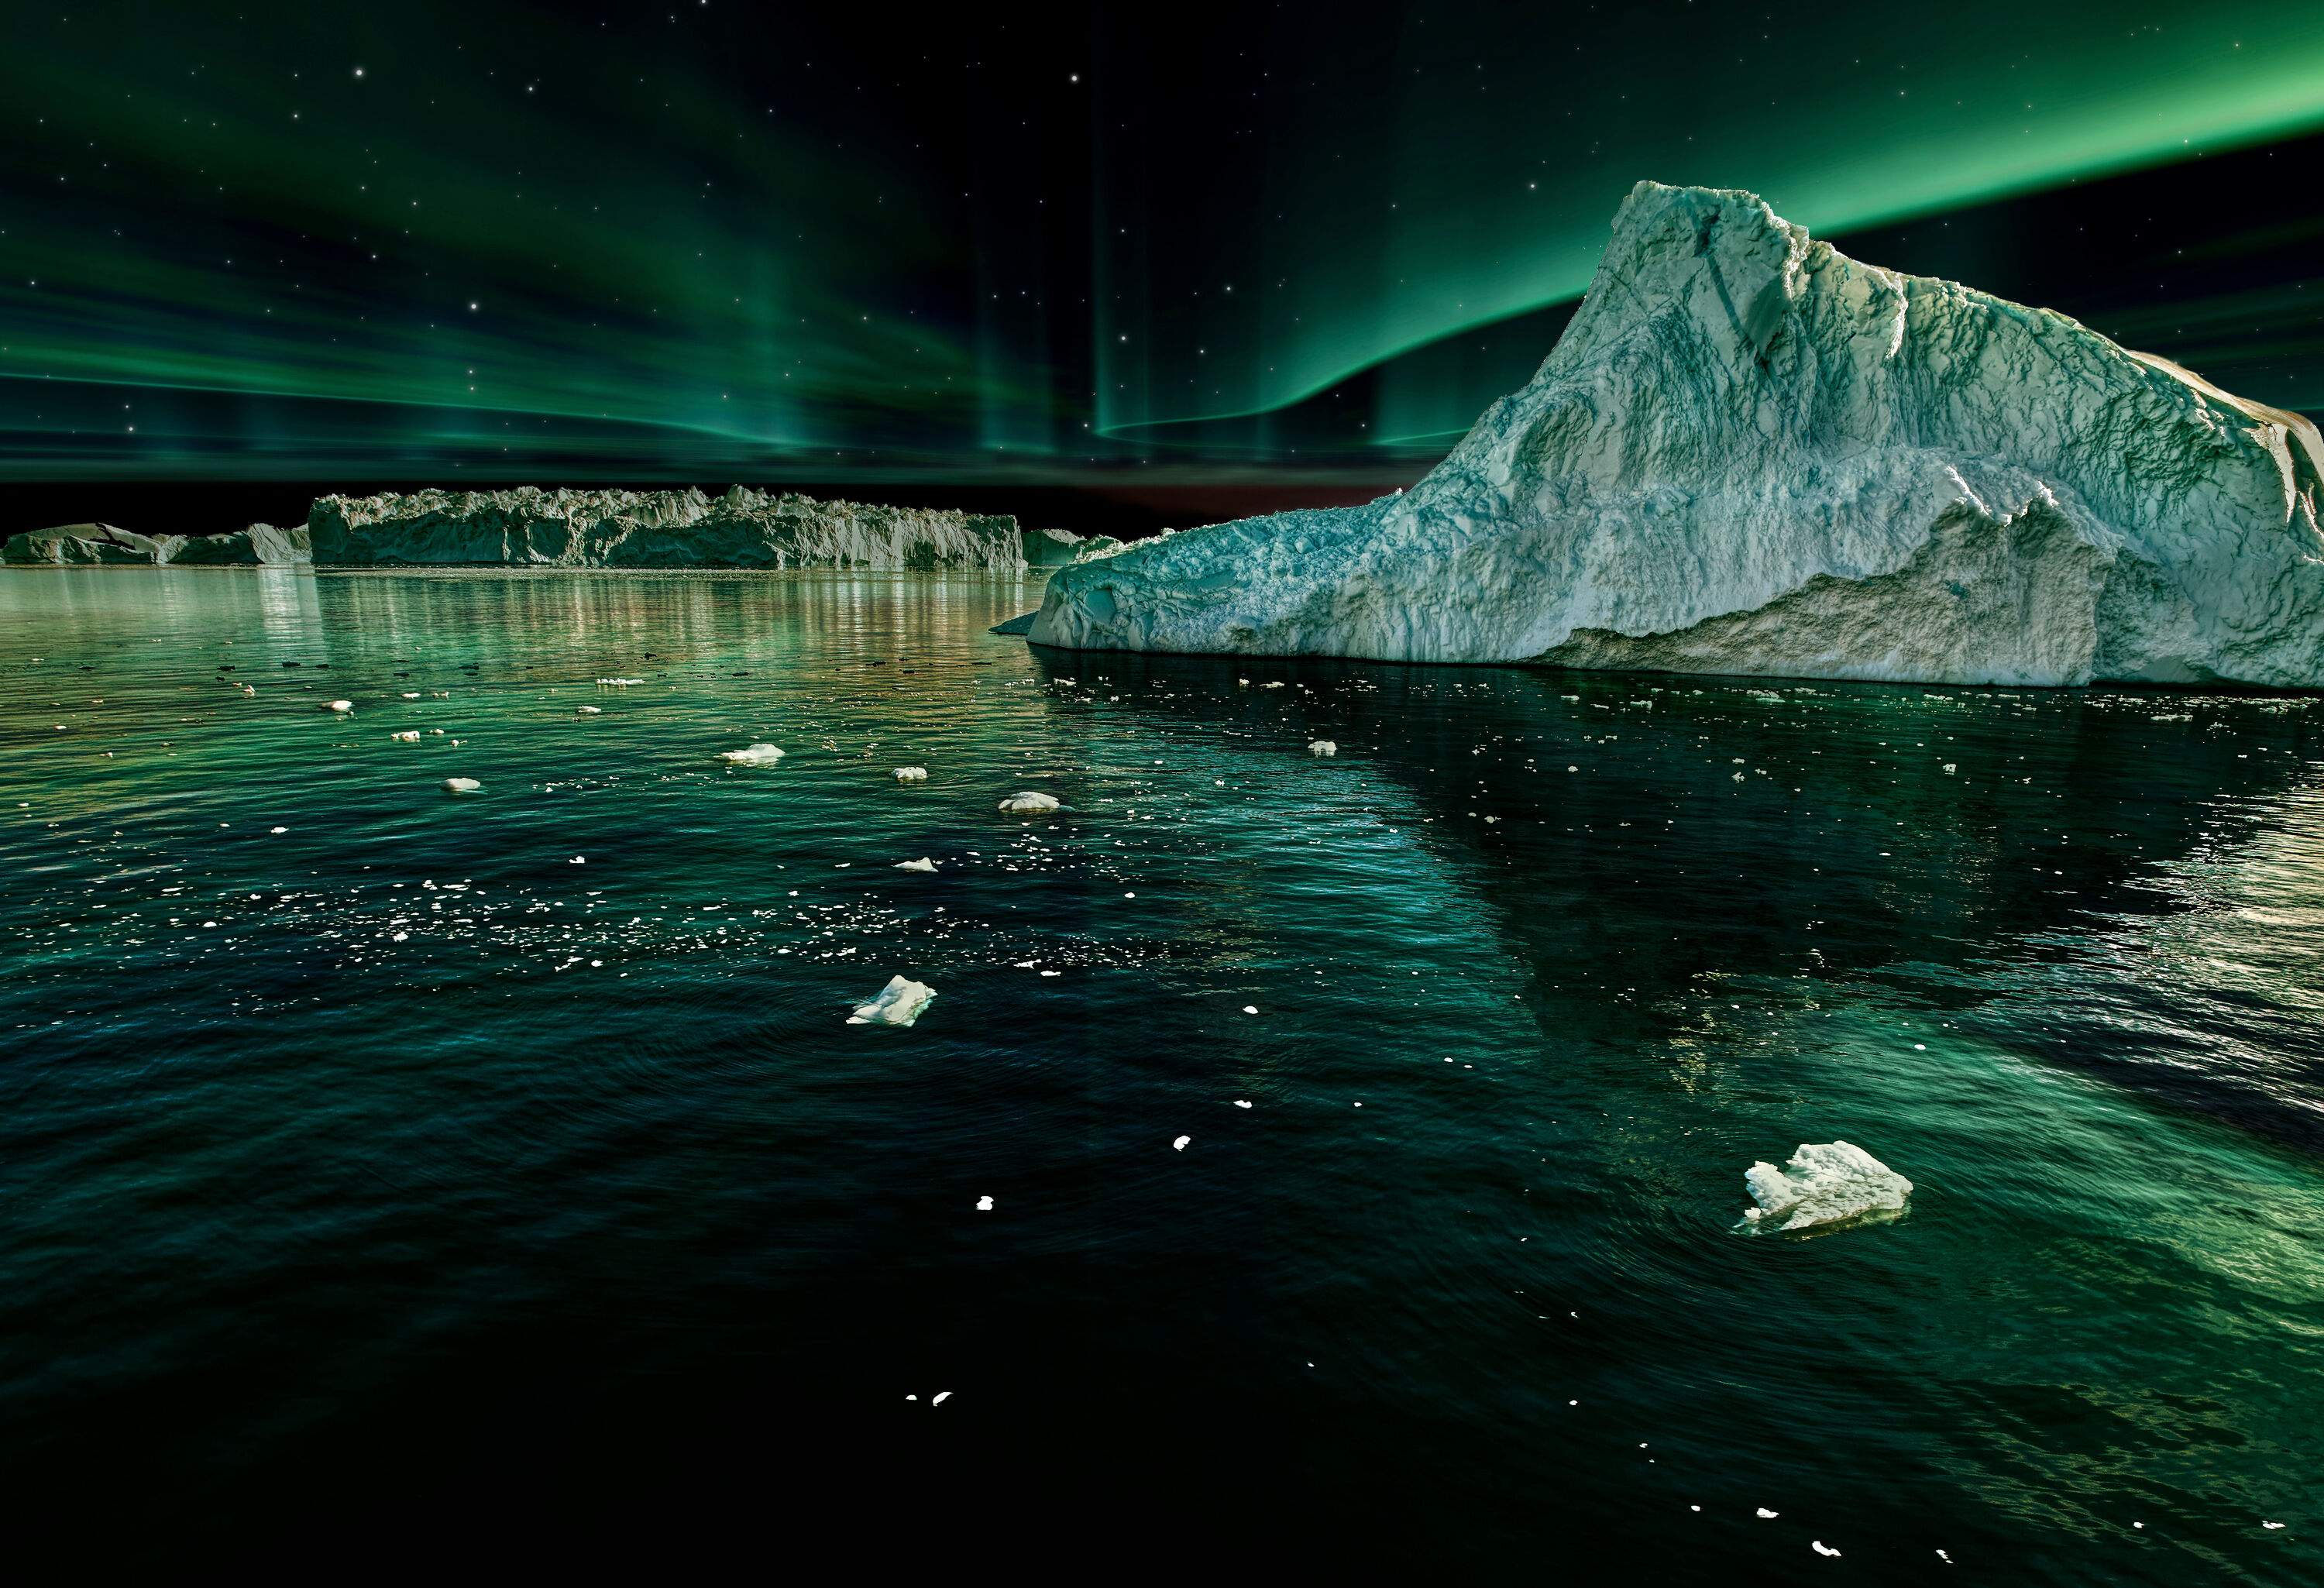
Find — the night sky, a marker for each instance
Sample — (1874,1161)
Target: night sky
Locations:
(430,242)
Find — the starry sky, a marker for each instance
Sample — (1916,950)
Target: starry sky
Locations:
(487,241)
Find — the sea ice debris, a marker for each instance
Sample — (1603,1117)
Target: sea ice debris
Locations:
(1027,802)
(1321,747)
(461,785)
(409,735)
(1823,1549)
(1180,1144)
(340,706)
(1830,1182)
(911,774)
(984,1205)
(900,1003)
(752,755)
(922,864)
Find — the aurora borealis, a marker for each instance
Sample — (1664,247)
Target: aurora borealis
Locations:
(267,241)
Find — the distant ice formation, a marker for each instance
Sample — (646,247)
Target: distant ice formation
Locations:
(1749,454)
(743,529)
(260,545)
(1829,1183)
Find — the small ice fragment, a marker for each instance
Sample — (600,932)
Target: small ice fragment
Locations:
(588,711)
(922,864)
(752,755)
(1947,1558)
(577,860)
(1321,747)
(941,1396)
(1823,1548)
(1830,1182)
(340,705)
(1951,768)
(1180,1144)
(1768,1515)
(1251,1009)
(278,831)
(984,1205)
(911,774)
(409,735)
(411,694)
(1027,802)
(2271,1526)
(900,1003)
(620,683)
(461,785)
(1242,1103)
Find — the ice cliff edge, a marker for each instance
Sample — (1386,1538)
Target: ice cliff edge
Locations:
(1751,454)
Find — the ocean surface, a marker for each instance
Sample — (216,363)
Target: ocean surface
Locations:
(497,1176)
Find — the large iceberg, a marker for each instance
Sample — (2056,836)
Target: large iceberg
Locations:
(1751,454)
(744,529)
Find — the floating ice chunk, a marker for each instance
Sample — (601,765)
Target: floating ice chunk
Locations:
(1026,802)
(1951,768)
(1180,1144)
(984,1205)
(911,774)
(461,785)
(1830,1182)
(620,683)
(1768,1515)
(338,705)
(1242,1103)
(588,711)
(922,864)
(1823,1549)
(900,1003)
(752,755)
(278,831)
(579,860)
(409,735)
(1321,747)
(1251,1009)
(939,1397)
(2271,1526)
(411,694)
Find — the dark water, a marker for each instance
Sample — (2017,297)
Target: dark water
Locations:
(391,1185)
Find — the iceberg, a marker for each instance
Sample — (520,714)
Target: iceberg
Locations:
(529,527)
(1030,802)
(1829,1183)
(259,546)
(1749,454)
(898,1004)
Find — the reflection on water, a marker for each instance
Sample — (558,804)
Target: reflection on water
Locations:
(512,1153)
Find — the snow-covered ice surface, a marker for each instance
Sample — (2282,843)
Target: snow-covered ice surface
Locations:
(1749,454)
(1827,1183)
(898,1004)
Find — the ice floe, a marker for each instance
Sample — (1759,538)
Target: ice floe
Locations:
(1321,747)
(1027,802)
(1830,1183)
(922,864)
(911,774)
(752,755)
(900,1003)
(461,785)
